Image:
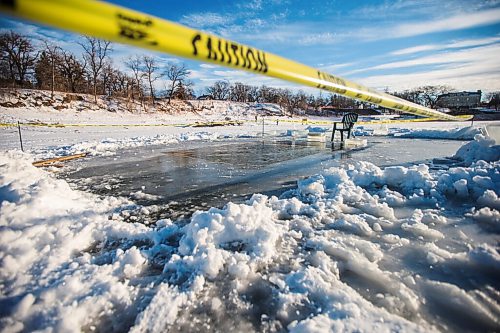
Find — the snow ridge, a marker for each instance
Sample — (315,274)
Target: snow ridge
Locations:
(269,264)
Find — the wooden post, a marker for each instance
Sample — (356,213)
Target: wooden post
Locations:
(20,136)
(58,159)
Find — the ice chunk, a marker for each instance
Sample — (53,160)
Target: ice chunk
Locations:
(481,148)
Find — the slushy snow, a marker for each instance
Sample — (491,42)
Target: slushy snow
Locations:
(355,248)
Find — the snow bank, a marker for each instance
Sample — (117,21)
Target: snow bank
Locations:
(452,133)
(51,271)
(109,146)
(481,148)
(322,257)
(464,133)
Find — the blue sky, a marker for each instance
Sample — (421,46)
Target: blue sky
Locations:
(393,44)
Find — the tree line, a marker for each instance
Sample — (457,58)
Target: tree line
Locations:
(49,67)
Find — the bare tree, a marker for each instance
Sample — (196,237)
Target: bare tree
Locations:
(95,53)
(72,70)
(494,99)
(184,90)
(285,99)
(298,101)
(134,64)
(219,90)
(341,102)
(412,95)
(53,53)
(428,95)
(107,77)
(253,94)
(123,83)
(151,74)
(267,95)
(116,82)
(18,54)
(176,74)
(240,92)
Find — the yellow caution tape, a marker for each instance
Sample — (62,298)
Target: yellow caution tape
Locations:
(91,125)
(119,24)
(231,123)
(369,122)
(58,125)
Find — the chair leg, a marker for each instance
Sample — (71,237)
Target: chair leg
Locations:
(342,136)
(333,131)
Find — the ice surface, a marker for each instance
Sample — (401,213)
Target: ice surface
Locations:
(357,247)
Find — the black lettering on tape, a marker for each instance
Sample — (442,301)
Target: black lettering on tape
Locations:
(260,66)
(196,38)
(131,33)
(250,53)
(244,64)
(135,20)
(223,51)
(229,58)
(264,63)
(8,3)
(134,28)
(220,50)
(234,47)
(211,52)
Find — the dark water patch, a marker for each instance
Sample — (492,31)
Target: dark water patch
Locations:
(186,177)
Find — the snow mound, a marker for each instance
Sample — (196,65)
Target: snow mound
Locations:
(481,148)
(52,275)
(337,253)
(465,133)
(453,133)
(109,146)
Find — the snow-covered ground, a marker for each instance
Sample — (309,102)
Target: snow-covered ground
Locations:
(353,248)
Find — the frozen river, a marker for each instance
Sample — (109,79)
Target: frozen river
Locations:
(189,176)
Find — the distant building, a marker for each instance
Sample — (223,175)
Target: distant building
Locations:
(460,100)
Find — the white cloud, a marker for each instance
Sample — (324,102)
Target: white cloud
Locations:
(483,55)
(317,39)
(417,49)
(230,74)
(296,34)
(456,22)
(253,5)
(403,10)
(204,20)
(312,33)
(454,45)
(39,35)
(399,82)
(335,67)
(209,66)
(470,69)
